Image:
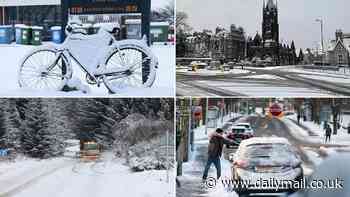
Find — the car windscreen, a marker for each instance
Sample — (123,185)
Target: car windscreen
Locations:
(244,125)
(270,154)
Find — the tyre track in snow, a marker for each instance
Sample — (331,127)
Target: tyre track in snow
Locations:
(13,191)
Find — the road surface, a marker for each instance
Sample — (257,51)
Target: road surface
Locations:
(263,126)
(262,82)
(107,177)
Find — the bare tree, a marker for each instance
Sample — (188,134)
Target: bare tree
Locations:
(181,21)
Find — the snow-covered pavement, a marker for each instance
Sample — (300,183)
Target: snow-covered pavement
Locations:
(317,132)
(108,177)
(12,55)
(192,170)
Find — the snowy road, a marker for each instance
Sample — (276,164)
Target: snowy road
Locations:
(263,126)
(280,81)
(12,55)
(105,178)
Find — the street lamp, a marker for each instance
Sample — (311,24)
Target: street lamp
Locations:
(321,23)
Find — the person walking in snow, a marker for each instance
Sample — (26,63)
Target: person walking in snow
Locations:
(298,117)
(216,143)
(328,133)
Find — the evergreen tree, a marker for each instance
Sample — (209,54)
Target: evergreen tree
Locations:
(9,124)
(294,55)
(37,140)
(301,56)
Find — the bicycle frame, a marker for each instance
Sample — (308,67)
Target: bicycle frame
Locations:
(64,51)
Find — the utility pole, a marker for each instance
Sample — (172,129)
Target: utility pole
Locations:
(206,116)
(189,129)
(167,156)
(322,50)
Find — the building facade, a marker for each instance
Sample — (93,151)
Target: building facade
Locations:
(338,50)
(267,45)
(220,45)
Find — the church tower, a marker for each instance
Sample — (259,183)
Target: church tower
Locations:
(270,29)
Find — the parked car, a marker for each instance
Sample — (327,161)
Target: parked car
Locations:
(265,158)
(214,65)
(238,133)
(197,65)
(247,126)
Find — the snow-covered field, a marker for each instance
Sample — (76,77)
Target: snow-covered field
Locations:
(11,56)
(64,177)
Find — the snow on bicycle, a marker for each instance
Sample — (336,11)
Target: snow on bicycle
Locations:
(116,64)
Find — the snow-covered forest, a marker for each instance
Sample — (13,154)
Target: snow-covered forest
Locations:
(38,127)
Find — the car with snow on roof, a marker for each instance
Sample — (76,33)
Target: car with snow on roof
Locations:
(269,160)
(239,133)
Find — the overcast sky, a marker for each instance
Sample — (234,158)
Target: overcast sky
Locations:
(159,3)
(296,17)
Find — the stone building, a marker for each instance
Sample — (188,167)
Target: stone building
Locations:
(338,49)
(268,45)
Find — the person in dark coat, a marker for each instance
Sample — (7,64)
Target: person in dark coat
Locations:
(328,133)
(298,117)
(216,143)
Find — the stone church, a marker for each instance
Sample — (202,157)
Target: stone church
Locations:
(268,45)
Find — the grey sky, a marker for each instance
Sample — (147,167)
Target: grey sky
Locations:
(296,17)
(159,3)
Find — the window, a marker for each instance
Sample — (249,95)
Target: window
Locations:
(340,59)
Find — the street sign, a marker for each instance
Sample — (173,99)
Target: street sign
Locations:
(88,7)
(276,110)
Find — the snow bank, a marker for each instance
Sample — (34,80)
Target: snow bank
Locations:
(265,76)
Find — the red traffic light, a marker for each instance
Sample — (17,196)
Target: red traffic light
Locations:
(275,109)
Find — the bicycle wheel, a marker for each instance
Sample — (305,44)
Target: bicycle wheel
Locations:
(37,73)
(138,59)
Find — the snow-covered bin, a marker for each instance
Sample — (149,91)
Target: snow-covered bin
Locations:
(56,34)
(6,32)
(21,33)
(36,35)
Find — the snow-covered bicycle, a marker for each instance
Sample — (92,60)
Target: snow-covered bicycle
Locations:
(117,64)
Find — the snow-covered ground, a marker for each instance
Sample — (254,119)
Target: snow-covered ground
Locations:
(200,139)
(342,137)
(12,55)
(265,76)
(328,78)
(262,89)
(205,72)
(64,177)
(345,72)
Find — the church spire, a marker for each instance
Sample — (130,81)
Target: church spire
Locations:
(271,4)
